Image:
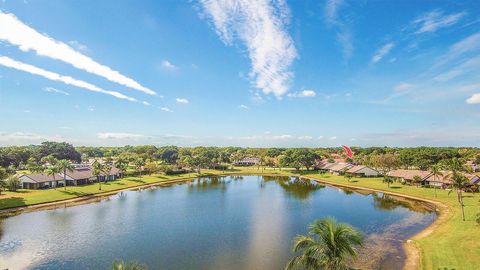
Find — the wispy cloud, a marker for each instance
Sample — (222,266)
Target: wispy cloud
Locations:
(260,25)
(344,34)
(55,90)
(121,136)
(182,100)
(165,109)
(8,62)
(26,38)
(382,52)
(435,20)
(167,65)
(468,66)
(303,94)
(244,107)
(16,138)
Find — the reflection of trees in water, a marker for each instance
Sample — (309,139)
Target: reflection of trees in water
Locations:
(299,188)
(1,229)
(213,182)
(387,202)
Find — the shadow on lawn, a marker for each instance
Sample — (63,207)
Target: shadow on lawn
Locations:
(11,202)
(136,180)
(76,193)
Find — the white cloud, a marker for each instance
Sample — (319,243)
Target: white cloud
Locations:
(321,137)
(54,90)
(434,20)
(281,137)
(332,138)
(120,136)
(165,109)
(474,99)
(27,111)
(403,87)
(91,109)
(305,138)
(182,100)
(145,103)
(302,94)
(26,38)
(245,107)
(470,65)
(166,65)
(260,25)
(78,45)
(17,138)
(383,51)
(331,10)
(8,62)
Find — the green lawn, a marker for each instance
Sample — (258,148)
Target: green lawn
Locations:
(454,244)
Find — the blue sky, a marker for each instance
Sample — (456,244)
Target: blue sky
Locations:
(240,72)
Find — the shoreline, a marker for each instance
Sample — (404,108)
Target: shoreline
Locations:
(413,253)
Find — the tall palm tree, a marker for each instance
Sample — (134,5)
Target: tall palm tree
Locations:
(436,172)
(329,245)
(389,180)
(64,166)
(97,169)
(52,171)
(459,183)
(139,163)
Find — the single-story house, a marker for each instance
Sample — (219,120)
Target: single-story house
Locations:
(362,171)
(409,175)
(441,181)
(323,165)
(40,180)
(339,168)
(473,165)
(80,176)
(114,174)
(248,161)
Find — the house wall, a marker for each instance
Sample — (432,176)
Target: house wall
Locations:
(368,172)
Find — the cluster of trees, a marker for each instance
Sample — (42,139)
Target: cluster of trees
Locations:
(149,158)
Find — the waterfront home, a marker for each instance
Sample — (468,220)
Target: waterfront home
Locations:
(323,165)
(39,180)
(444,180)
(248,161)
(362,171)
(407,176)
(80,175)
(339,168)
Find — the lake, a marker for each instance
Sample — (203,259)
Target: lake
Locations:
(235,222)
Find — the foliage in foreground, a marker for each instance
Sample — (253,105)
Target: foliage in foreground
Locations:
(329,245)
(121,265)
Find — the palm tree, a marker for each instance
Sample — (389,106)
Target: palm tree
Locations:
(64,165)
(121,265)
(436,172)
(389,180)
(121,163)
(139,163)
(97,169)
(459,183)
(52,171)
(329,245)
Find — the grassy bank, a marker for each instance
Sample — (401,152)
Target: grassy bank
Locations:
(453,244)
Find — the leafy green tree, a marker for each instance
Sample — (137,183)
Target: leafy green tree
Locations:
(417,179)
(3,175)
(348,177)
(64,166)
(12,183)
(329,245)
(389,180)
(50,159)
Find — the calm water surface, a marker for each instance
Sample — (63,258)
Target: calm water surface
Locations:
(210,223)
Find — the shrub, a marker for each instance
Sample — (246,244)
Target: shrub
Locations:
(12,183)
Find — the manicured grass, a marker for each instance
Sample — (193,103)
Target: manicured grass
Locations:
(454,244)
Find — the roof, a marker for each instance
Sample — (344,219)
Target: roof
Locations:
(80,173)
(42,177)
(357,168)
(340,167)
(409,174)
(324,165)
(445,178)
